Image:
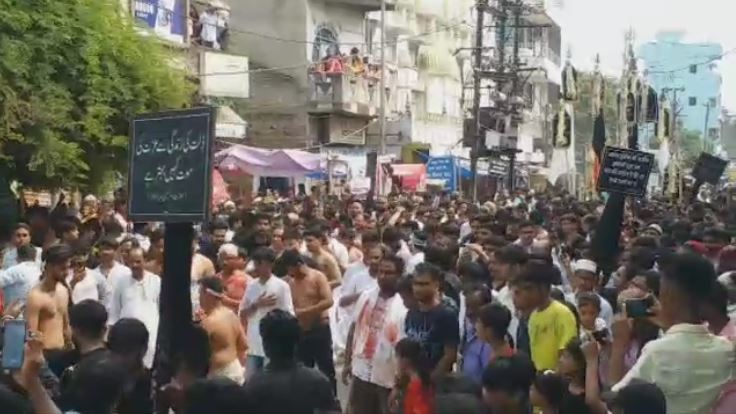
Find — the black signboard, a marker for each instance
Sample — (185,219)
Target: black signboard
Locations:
(709,169)
(170,170)
(498,167)
(625,171)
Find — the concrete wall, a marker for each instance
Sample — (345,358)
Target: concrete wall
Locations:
(671,54)
(728,135)
(277,112)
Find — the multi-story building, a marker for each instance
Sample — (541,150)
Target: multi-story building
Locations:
(671,62)
(728,135)
(303,91)
(223,77)
(426,48)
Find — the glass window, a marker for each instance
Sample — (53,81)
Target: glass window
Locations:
(693,68)
(692,101)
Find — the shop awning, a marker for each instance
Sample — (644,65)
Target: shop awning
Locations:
(267,163)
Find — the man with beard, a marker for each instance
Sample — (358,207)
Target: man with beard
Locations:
(376,328)
(136,295)
(210,245)
(361,276)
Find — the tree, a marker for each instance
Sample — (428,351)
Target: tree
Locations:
(72,74)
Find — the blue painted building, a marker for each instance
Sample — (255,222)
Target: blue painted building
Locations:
(671,62)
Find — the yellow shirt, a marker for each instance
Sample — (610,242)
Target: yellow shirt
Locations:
(550,331)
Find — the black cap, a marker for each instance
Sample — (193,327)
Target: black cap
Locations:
(638,397)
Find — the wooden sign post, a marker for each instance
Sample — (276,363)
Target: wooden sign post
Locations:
(170,180)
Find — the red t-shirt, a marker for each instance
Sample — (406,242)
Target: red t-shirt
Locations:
(418,398)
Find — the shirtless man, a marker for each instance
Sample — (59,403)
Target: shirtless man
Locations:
(325,261)
(227,337)
(312,298)
(47,307)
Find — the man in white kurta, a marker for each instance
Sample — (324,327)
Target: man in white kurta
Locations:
(136,295)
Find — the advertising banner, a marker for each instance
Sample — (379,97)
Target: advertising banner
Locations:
(166,18)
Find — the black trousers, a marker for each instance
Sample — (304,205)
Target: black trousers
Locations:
(368,398)
(315,348)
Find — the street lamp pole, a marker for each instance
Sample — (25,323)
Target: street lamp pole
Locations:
(382,82)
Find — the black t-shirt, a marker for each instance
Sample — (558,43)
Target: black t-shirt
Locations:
(574,404)
(137,396)
(433,329)
(13,397)
(291,389)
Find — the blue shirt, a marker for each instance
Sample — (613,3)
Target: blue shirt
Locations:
(18,280)
(476,353)
(10,257)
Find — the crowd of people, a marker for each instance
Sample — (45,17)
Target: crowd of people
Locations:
(415,304)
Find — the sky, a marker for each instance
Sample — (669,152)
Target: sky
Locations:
(599,26)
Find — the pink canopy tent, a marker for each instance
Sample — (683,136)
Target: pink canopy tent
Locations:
(219,189)
(267,163)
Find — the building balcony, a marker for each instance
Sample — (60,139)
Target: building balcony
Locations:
(344,93)
(366,5)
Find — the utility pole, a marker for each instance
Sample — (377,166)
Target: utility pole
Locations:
(675,149)
(382,82)
(481,7)
(705,127)
(514,93)
(505,72)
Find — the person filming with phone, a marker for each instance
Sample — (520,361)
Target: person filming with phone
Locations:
(688,363)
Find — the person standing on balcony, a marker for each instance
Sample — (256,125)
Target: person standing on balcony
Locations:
(208,21)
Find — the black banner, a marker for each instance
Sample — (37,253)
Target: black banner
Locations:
(498,167)
(625,171)
(709,169)
(170,170)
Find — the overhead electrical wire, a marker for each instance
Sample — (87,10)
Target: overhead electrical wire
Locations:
(700,63)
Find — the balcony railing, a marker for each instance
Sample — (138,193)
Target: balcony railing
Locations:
(344,92)
(367,5)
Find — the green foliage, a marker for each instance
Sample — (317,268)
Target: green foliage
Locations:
(72,74)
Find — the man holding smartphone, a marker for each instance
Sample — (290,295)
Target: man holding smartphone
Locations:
(688,363)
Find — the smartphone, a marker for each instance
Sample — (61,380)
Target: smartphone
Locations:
(601,336)
(14,343)
(638,308)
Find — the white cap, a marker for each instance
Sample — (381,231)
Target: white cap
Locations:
(585,265)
